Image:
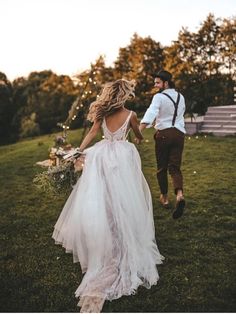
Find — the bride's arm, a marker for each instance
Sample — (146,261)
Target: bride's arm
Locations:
(135,127)
(91,135)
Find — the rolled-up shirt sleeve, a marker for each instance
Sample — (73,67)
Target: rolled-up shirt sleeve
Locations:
(152,111)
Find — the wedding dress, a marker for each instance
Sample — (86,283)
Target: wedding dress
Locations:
(107,223)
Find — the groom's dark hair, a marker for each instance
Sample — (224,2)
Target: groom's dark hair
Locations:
(166,76)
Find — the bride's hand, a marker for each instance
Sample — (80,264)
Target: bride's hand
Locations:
(79,163)
(137,140)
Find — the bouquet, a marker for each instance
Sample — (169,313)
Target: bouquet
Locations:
(57,179)
(63,170)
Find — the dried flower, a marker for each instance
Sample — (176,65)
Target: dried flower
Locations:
(57,179)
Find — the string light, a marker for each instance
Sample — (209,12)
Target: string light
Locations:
(77,105)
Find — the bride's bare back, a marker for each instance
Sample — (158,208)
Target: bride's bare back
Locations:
(117,119)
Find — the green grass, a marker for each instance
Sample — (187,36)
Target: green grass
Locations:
(198,274)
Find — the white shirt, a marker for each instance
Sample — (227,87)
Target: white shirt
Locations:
(162,110)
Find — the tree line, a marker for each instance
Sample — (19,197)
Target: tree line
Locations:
(202,63)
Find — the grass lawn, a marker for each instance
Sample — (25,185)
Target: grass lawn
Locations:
(199,273)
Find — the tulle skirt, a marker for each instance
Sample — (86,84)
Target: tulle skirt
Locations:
(107,224)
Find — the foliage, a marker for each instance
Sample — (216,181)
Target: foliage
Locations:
(29,126)
(226,46)
(57,179)
(61,174)
(140,60)
(88,84)
(47,95)
(6,109)
(197,61)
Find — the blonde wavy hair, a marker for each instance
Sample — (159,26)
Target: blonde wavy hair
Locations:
(112,98)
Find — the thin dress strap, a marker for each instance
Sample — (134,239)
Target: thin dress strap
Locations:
(128,120)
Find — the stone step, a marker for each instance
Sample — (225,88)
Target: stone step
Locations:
(222,122)
(222,108)
(220,113)
(223,118)
(219,132)
(218,127)
(219,121)
(212,126)
(230,127)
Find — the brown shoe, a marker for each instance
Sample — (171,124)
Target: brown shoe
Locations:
(164,201)
(179,207)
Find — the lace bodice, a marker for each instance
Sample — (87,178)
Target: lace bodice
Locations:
(118,135)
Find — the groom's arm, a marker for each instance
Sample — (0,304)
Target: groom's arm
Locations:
(151,113)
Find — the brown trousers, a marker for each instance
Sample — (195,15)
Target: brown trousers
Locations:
(169,145)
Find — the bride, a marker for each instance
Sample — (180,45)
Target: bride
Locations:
(107,221)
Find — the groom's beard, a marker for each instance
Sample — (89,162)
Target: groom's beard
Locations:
(161,90)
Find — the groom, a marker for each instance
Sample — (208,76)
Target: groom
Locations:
(167,110)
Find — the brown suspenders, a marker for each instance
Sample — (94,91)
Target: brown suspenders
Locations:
(176,106)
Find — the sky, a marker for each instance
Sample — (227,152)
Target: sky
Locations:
(65,36)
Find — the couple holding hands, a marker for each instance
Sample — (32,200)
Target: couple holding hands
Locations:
(107,221)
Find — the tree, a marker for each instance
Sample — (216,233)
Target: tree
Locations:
(227,47)
(47,95)
(196,62)
(88,84)
(29,126)
(140,61)
(6,109)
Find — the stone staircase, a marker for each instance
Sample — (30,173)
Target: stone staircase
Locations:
(220,121)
